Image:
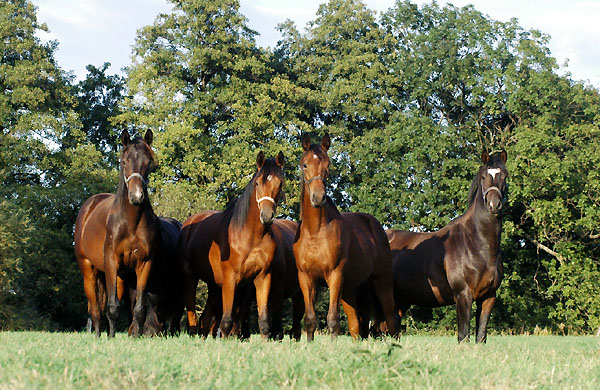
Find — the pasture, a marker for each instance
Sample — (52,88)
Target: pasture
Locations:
(31,360)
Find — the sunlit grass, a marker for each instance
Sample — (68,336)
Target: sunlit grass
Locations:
(30,360)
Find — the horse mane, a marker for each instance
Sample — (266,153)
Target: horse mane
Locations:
(237,210)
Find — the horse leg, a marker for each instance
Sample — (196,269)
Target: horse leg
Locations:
(307,285)
(228,294)
(484,309)
(112,310)
(89,287)
(275,310)
(263,287)
(350,304)
(189,299)
(333,316)
(297,313)
(139,310)
(385,296)
(464,301)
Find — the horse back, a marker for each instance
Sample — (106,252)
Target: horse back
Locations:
(90,229)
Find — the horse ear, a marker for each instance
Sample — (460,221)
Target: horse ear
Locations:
(326,142)
(305,141)
(260,159)
(280,159)
(149,137)
(125,137)
(485,157)
(503,156)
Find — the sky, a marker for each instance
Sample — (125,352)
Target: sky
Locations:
(98,31)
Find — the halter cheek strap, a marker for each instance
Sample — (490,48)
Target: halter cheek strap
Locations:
(135,174)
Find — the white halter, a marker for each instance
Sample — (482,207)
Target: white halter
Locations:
(135,174)
(264,198)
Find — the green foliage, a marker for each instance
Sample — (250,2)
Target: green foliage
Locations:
(410,98)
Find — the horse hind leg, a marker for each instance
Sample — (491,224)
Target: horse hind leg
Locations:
(385,296)
(350,304)
(91,292)
(297,314)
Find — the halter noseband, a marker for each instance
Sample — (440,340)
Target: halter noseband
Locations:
(265,198)
(493,188)
(314,178)
(135,174)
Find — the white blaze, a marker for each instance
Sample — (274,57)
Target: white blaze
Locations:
(493,172)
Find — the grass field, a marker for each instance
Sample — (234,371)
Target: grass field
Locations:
(30,360)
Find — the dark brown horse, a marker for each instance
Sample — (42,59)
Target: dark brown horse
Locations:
(460,262)
(230,248)
(348,251)
(119,235)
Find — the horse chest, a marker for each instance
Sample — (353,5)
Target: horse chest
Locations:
(317,255)
(249,263)
(132,251)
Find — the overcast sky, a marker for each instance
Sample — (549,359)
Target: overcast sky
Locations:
(98,31)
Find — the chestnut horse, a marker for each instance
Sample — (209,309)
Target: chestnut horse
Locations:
(460,262)
(349,251)
(227,249)
(121,236)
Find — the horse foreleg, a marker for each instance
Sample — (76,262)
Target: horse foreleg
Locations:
(142,272)
(228,294)
(275,310)
(464,301)
(307,285)
(484,309)
(262,283)
(334,281)
(112,310)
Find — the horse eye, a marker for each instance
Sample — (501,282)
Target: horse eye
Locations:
(304,166)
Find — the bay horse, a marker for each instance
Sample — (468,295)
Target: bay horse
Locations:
(349,251)
(231,248)
(284,285)
(118,237)
(461,262)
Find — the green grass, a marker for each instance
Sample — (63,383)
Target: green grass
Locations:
(30,360)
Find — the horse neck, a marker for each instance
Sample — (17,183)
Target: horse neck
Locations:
(132,215)
(313,218)
(485,223)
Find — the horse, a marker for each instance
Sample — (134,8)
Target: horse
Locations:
(461,262)
(349,251)
(284,285)
(229,249)
(119,238)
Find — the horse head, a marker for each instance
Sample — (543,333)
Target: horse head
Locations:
(492,176)
(137,162)
(268,183)
(314,165)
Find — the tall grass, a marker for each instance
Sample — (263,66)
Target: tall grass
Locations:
(30,360)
